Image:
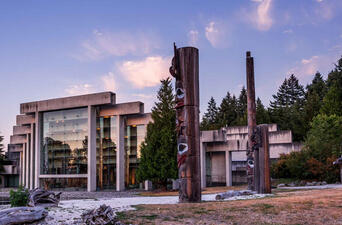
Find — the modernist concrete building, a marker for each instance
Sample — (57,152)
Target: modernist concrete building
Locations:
(223,153)
(89,142)
(81,142)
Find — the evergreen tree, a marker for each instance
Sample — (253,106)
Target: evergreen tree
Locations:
(262,116)
(241,110)
(227,111)
(210,120)
(314,99)
(2,151)
(287,107)
(332,102)
(158,160)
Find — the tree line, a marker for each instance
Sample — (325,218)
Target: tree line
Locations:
(292,107)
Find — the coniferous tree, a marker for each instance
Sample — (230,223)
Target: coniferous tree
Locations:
(314,99)
(2,152)
(227,111)
(158,160)
(262,116)
(241,110)
(287,107)
(332,102)
(210,120)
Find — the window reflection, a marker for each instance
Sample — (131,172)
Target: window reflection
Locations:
(134,136)
(64,142)
(106,152)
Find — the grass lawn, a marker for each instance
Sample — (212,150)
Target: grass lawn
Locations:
(293,207)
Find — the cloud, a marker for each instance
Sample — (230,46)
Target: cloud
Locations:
(264,20)
(288,31)
(106,44)
(259,15)
(319,0)
(216,34)
(147,72)
(109,82)
(193,37)
(307,67)
(79,89)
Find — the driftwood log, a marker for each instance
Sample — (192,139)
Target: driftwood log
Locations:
(230,194)
(101,216)
(44,198)
(20,215)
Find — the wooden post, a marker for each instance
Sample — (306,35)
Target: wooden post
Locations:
(252,156)
(264,160)
(185,69)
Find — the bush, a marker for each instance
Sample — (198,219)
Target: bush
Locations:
(19,197)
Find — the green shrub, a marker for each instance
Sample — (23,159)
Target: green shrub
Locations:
(19,197)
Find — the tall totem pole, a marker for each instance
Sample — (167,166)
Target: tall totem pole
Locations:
(252,154)
(258,155)
(185,69)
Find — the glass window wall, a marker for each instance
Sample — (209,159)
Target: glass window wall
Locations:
(106,152)
(64,142)
(134,136)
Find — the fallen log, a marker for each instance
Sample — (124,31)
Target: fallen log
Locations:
(44,198)
(102,216)
(230,194)
(20,215)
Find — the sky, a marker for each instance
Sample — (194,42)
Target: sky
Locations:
(51,49)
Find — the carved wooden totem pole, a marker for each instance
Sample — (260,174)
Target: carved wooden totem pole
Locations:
(258,156)
(252,152)
(185,69)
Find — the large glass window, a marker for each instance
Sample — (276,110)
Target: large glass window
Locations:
(106,152)
(134,136)
(64,142)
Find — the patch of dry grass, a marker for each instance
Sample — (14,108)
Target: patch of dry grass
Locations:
(298,207)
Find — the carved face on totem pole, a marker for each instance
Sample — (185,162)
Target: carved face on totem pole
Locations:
(182,140)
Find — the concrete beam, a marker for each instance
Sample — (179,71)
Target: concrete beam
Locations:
(38,121)
(139,119)
(20,130)
(25,119)
(203,156)
(15,148)
(17,139)
(68,102)
(122,109)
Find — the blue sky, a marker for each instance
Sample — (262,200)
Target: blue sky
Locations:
(53,49)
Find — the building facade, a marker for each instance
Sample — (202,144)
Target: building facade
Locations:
(85,142)
(89,142)
(223,153)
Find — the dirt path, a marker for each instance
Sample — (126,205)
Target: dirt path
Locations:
(295,207)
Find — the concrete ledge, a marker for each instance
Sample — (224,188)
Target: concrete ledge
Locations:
(63,176)
(68,102)
(17,139)
(139,119)
(213,135)
(25,119)
(17,130)
(15,148)
(122,109)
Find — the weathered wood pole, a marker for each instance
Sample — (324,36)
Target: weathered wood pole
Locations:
(185,69)
(252,156)
(264,161)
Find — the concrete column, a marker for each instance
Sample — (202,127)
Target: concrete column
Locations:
(32,140)
(203,165)
(21,168)
(28,161)
(120,153)
(23,171)
(37,149)
(229,174)
(91,149)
